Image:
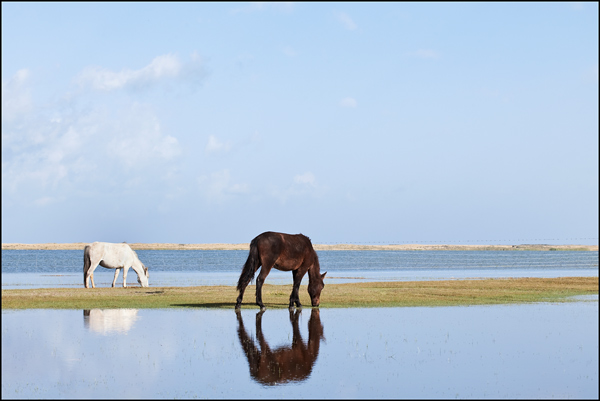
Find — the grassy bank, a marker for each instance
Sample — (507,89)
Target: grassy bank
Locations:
(396,294)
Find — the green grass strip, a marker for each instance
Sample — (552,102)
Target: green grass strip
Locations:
(354,295)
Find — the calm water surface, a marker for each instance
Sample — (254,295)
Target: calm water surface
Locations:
(40,269)
(515,351)
(512,351)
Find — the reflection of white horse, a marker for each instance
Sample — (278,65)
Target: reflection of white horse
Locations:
(112,256)
(105,321)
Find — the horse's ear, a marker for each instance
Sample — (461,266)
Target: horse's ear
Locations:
(323,275)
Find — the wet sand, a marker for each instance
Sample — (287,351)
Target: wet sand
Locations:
(319,247)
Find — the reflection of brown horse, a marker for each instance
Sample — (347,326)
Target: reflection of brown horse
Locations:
(287,363)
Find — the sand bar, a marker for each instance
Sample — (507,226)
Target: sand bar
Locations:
(318,247)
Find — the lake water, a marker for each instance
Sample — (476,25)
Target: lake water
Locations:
(40,269)
(503,351)
(544,350)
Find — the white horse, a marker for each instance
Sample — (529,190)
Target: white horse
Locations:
(112,256)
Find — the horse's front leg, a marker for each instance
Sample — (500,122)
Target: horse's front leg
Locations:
(117,270)
(294,297)
(125,268)
(296,336)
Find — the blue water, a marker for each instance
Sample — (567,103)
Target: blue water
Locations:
(47,269)
(530,351)
(543,350)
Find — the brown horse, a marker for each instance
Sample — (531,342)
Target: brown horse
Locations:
(286,363)
(284,252)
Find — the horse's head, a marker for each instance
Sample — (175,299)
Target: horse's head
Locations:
(143,279)
(314,289)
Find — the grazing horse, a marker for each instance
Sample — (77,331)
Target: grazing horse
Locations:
(284,252)
(112,256)
(283,364)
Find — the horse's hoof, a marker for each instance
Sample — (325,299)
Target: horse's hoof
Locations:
(238,307)
(263,308)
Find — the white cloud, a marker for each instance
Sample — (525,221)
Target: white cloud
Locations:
(346,20)
(73,147)
(95,151)
(349,102)
(215,146)
(163,67)
(16,96)
(219,186)
(303,185)
(307,178)
(137,139)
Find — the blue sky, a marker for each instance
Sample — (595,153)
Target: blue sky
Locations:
(347,122)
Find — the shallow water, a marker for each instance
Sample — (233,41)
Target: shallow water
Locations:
(505,351)
(53,269)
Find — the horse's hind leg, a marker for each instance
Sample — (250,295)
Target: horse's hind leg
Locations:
(264,346)
(238,302)
(117,270)
(264,272)
(89,274)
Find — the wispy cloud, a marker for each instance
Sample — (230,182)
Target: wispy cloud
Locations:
(95,150)
(304,184)
(140,140)
(349,102)
(216,146)
(43,201)
(219,186)
(110,144)
(307,178)
(16,95)
(346,20)
(162,68)
(425,54)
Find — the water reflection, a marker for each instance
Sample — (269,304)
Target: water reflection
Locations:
(292,363)
(529,351)
(109,321)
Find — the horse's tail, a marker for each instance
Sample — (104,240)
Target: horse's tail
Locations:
(86,261)
(250,266)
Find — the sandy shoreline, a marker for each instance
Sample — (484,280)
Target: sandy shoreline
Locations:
(318,247)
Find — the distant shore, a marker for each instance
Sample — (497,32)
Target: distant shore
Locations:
(318,247)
